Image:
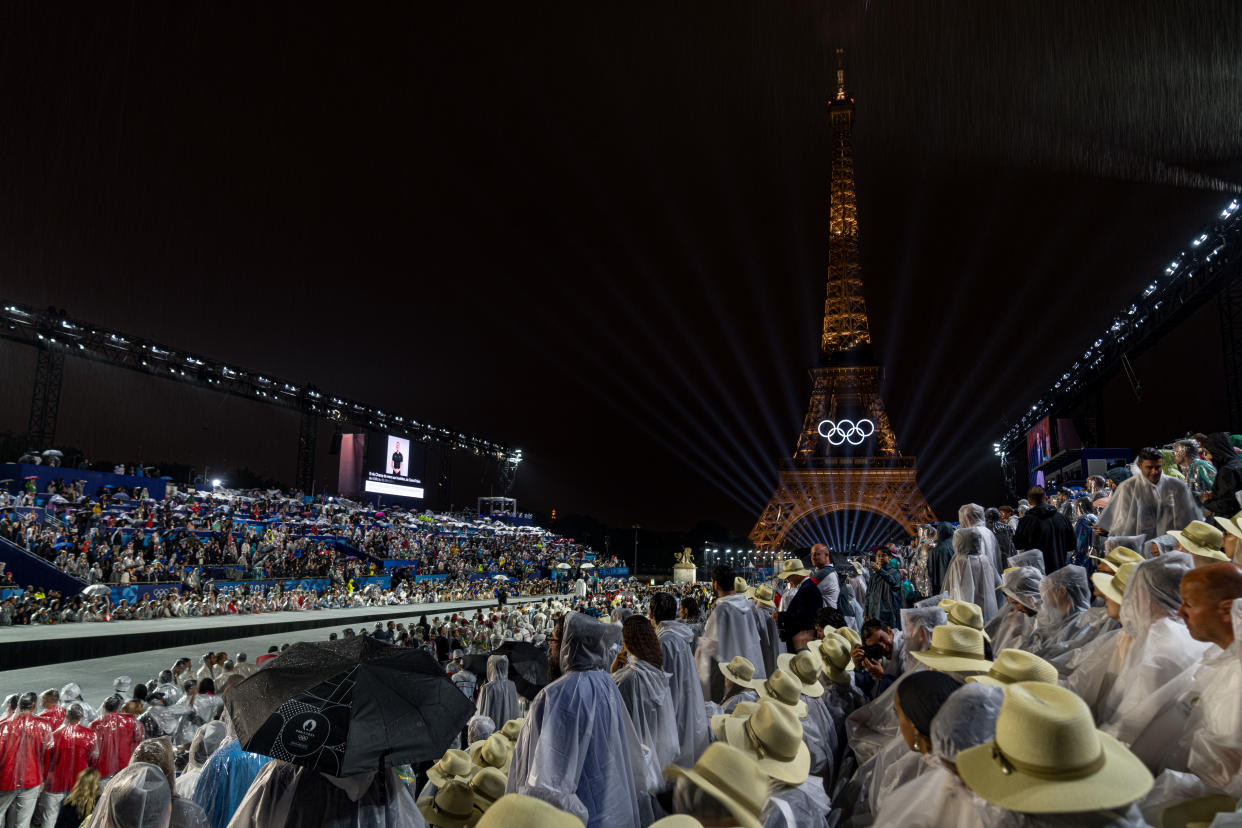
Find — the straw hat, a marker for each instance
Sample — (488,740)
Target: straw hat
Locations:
(1013,666)
(804,665)
(512,728)
(488,785)
(1198,811)
(834,652)
(1231,525)
(739,584)
(1118,557)
(521,811)
(1202,539)
(743,710)
(955,649)
(785,688)
(851,635)
(763,596)
(1047,757)
(965,614)
(493,752)
(772,736)
(451,807)
(677,821)
(1114,586)
(792,567)
(739,671)
(455,764)
(730,775)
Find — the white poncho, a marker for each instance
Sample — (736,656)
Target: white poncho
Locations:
(676,642)
(498,699)
(730,632)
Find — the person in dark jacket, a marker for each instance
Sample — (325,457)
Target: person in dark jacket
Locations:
(939,556)
(798,608)
(1045,529)
(884,589)
(1218,449)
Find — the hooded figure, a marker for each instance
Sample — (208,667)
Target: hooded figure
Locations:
(937,797)
(285,795)
(1022,585)
(730,631)
(972,515)
(1065,596)
(644,690)
(206,741)
(498,699)
(1139,508)
(676,642)
(939,558)
(579,750)
(972,572)
(159,752)
(224,780)
(1221,500)
(1158,650)
(137,797)
(71,693)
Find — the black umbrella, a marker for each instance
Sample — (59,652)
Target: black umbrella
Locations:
(347,707)
(528,666)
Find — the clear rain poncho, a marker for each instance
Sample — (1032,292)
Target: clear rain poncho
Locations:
(1065,596)
(1096,628)
(1014,631)
(972,575)
(71,693)
(677,644)
(498,699)
(936,797)
(205,742)
(645,691)
(224,780)
(479,728)
(1160,650)
(1031,557)
(917,625)
(285,795)
(730,631)
(138,796)
(972,516)
(579,750)
(185,813)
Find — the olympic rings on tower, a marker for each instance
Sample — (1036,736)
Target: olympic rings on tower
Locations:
(846,431)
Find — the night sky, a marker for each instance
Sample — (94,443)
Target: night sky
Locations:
(599,232)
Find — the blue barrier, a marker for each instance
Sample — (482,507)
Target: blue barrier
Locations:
(94,480)
(28,568)
(437,577)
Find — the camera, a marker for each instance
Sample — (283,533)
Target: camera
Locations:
(875,652)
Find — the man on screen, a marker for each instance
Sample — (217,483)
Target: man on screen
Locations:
(397,458)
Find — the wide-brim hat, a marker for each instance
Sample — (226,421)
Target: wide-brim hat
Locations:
(763,596)
(783,688)
(1202,539)
(793,567)
(955,649)
(1201,810)
(741,710)
(1047,757)
(1014,666)
(451,807)
(1118,557)
(740,671)
(455,764)
(964,614)
(512,729)
(772,736)
(488,785)
(1230,525)
(1113,586)
(493,752)
(740,585)
(520,811)
(835,658)
(803,665)
(851,635)
(730,776)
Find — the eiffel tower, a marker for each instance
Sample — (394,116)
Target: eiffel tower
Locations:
(847,457)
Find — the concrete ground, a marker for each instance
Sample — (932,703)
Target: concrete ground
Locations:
(95,675)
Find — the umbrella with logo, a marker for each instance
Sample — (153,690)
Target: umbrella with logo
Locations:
(347,707)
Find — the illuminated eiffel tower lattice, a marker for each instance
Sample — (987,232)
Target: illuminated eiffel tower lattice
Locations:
(847,457)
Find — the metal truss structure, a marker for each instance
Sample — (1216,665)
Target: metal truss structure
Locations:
(56,335)
(823,478)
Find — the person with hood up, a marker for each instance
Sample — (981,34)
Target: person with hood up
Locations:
(206,742)
(763,604)
(25,742)
(284,795)
(676,643)
(1218,449)
(184,813)
(645,691)
(1043,527)
(937,797)
(730,631)
(972,573)
(498,699)
(1065,597)
(137,797)
(226,778)
(1149,503)
(940,557)
(919,697)
(972,515)
(74,748)
(70,694)
(119,733)
(1004,535)
(579,750)
(1158,651)
(1021,588)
